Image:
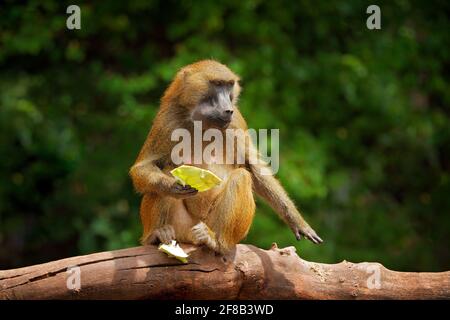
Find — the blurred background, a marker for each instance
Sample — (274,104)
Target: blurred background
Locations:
(363,118)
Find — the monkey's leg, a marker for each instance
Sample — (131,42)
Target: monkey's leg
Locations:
(181,220)
(155,211)
(165,219)
(230,216)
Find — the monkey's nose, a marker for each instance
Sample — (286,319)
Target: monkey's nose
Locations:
(225,117)
(227,114)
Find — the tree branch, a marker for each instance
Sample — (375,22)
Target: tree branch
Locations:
(246,273)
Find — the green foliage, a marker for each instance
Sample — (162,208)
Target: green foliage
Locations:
(363,117)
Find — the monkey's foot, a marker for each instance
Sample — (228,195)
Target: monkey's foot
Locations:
(164,234)
(202,234)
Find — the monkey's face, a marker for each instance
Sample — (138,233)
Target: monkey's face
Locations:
(215,109)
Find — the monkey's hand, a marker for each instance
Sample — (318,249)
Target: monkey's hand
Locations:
(164,234)
(202,234)
(303,229)
(178,191)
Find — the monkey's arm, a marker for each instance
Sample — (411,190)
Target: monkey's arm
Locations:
(269,188)
(148,178)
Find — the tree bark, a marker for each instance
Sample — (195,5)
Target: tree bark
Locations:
(245,273)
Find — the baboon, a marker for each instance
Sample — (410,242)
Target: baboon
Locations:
(205,91)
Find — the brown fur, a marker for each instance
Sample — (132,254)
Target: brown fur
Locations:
(227,211)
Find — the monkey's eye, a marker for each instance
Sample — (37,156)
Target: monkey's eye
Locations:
(209,99)
(217,83)
(231,96)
